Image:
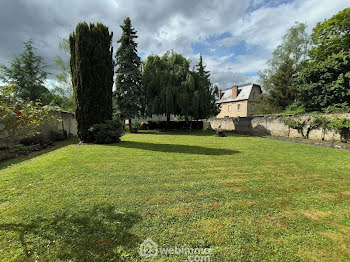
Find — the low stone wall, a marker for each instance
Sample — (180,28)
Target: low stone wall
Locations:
(270,125)
(67,122)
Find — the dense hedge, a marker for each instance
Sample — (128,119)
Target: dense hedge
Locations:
(172,125)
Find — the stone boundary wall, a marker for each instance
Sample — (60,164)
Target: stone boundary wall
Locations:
(67,123)
(270,125)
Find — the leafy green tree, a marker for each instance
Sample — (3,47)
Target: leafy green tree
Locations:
(152,82)
(64,78)
(168,85)
(28,71)
(22,118)
(331,36)
(325,85)
(287,61)
(170,88)
(62,94)
(283,92)
(92,67)
(324,82)
(128,92)
(176,81)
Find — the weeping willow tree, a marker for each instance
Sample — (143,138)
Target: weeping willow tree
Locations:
(170,88)
(92,66)
(164,84)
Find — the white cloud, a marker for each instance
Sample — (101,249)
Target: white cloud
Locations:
(164,25)
(266,26)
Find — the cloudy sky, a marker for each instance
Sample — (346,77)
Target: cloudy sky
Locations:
(236,37)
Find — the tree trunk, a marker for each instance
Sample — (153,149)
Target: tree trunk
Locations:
(130,126)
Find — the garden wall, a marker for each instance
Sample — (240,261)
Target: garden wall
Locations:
(67,123)
(270,125)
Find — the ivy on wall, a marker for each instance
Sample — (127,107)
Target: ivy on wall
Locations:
(340,125)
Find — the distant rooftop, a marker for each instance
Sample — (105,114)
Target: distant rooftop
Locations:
(240,85)
(243,93)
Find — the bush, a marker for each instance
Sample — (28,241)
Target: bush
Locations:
(32,140)
(319,122)
(19,150)
(143,126)
(341,125)
(337,109)
(22,118)
(295,109)
(5,155)
(14,151)
(106,133)
(58,135)
(135,126)
(297,124)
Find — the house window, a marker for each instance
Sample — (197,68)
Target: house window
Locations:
(239,107)
(229,108)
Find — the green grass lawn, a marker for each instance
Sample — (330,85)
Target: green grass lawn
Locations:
(246,198)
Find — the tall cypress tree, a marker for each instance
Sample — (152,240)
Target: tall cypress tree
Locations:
(92,69)
(128,92)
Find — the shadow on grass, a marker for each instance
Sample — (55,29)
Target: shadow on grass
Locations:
(99,234)
(177,132)
(190,133)
(173,148)
(31,155)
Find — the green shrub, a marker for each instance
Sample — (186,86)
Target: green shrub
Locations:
(319,122)
(5,155)
(295,109)
(19,150)
(341,108)
(32,140)
(143,126)
(106,133)
(341,125)
(58,135)
(135,126)
(294,123)
(297,124)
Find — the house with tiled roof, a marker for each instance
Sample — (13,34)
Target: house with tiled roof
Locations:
(239,101)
